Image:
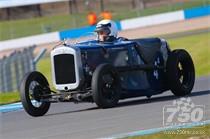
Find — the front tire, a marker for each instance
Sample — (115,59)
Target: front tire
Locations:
(32,87)
(180,72)
(105,86)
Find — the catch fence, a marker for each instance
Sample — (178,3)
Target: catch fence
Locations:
(14,67)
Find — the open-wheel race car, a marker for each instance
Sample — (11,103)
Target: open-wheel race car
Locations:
(106,72)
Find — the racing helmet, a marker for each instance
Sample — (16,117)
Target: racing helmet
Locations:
(108,27)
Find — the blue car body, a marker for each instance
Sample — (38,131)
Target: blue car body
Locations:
(124,53)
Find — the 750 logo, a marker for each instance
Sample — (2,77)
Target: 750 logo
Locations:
(183,111)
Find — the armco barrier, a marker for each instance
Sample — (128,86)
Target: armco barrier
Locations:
(29,41)
(75,33)
(165,17)
(197,12)
(152,20)
(122,25)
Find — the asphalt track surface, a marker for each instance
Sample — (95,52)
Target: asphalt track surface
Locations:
(86,121)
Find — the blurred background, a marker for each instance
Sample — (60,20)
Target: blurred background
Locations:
(30,19)
(20,19)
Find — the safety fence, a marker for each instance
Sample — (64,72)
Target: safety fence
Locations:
(14,67)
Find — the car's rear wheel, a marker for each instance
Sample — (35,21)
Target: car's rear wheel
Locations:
(180,72)
(106,86)
(33,87)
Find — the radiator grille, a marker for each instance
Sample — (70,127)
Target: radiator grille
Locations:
(64,69)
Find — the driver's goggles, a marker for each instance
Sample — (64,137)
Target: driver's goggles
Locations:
(104,32)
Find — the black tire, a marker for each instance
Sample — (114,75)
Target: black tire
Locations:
(31,97)
(106,86)
(180,72)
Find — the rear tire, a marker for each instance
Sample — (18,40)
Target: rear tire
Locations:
(105,86)
(180,72)
(31,90)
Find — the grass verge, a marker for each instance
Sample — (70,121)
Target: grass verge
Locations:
(199,48)
(9,97)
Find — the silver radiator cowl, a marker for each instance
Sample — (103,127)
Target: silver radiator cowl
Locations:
(66,68)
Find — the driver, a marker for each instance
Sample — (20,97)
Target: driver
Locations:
(106,31)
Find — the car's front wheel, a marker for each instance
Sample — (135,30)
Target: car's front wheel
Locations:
(33,87)
(106,86)
(180,72)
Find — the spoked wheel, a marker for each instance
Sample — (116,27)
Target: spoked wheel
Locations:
(33,87)
(180,72)
(106,86)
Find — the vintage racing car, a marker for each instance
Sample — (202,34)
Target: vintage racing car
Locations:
(104,73)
